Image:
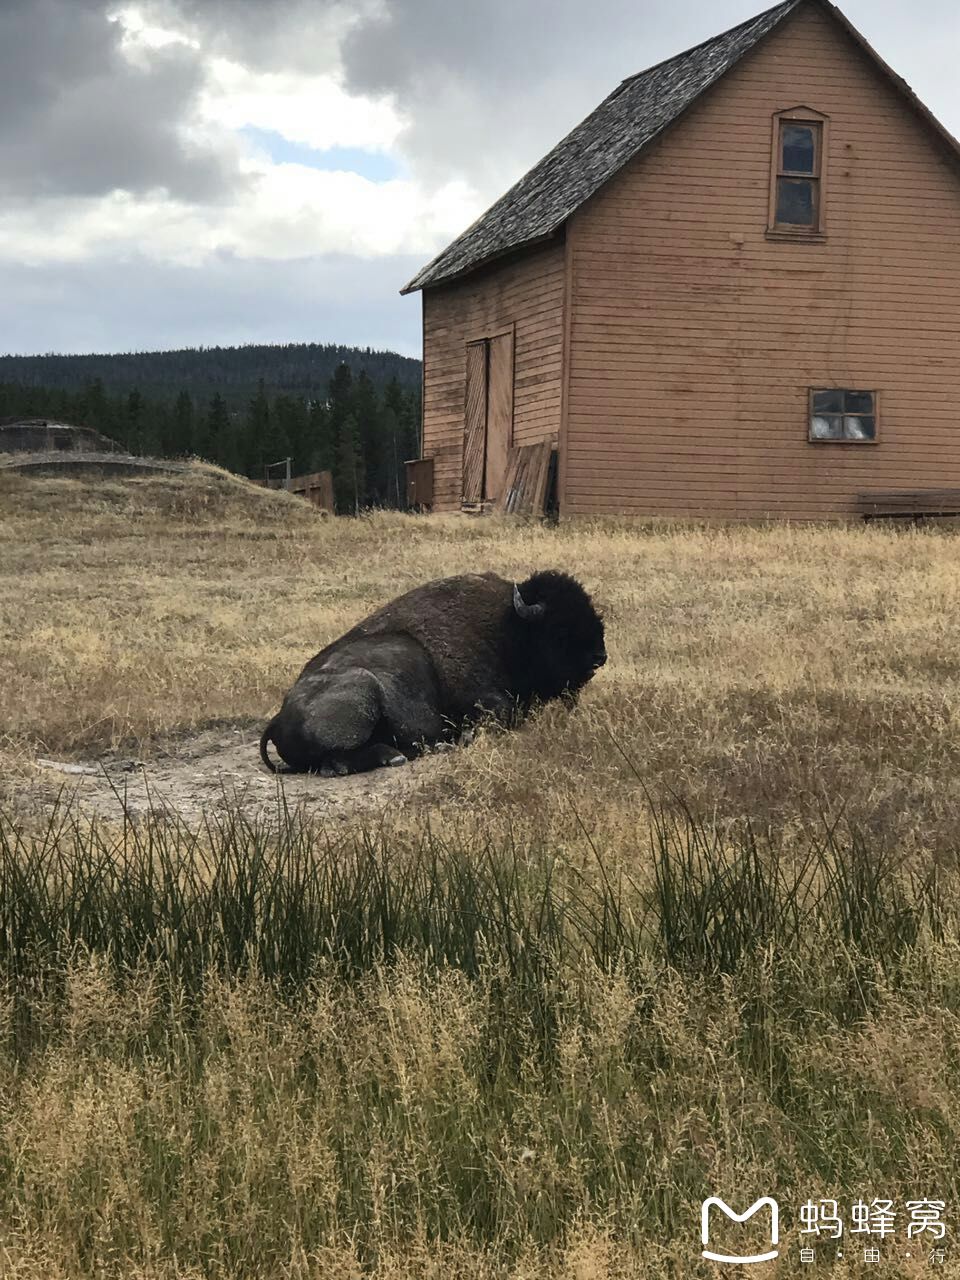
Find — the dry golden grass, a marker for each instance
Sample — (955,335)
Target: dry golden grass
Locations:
(775,671)
(778,674)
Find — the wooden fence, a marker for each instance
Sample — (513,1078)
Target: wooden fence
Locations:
(315,486)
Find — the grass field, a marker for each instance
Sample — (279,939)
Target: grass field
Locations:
(699,937)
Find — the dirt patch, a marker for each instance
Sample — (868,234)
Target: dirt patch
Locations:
(213,770)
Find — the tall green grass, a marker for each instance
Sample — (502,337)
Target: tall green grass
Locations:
(271,1047)
(285,894)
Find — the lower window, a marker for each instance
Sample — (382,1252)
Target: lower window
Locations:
(846,416)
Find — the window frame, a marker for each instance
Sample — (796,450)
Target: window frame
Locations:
(845,391)
(805,116)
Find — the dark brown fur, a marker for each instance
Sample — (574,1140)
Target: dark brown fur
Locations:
(430,662)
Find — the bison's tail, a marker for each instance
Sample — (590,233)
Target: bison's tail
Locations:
(265,738)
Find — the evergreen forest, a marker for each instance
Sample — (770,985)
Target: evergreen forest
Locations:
(361,422)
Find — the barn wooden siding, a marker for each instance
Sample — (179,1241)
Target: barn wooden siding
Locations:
(524,296)
(694,338)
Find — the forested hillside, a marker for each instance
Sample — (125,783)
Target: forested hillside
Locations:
(304,368)
(359,431)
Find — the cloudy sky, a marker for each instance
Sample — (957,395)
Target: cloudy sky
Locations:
(185,172)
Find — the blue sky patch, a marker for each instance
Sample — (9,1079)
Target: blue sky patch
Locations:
(375,166)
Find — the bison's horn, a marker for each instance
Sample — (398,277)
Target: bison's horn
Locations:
(523,609)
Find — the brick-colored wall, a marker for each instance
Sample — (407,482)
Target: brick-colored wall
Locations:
(694,337)
(526,294)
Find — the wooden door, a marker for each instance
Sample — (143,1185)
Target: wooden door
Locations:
(499,413)
(488,418)
(475,423)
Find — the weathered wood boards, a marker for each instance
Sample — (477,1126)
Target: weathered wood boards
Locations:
(488,418)
(499,413)
(420,484)
(908,504)
(528,300)
(315,486)
(475,423)
(525,483)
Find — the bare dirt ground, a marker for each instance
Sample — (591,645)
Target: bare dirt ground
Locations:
(217,768)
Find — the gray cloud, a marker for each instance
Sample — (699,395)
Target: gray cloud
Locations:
(146,306)
(78,118)
(490,88)
(268,35)
(486,89)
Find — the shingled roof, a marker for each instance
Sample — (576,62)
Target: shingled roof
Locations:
(628,120)
(623,124)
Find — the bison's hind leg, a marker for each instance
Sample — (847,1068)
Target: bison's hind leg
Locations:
(337,714)
(346,727)
(376,755)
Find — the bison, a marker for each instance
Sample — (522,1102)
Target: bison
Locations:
(431,662)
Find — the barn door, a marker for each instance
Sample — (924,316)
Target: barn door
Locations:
(488,420)
(499,413)
(475,422)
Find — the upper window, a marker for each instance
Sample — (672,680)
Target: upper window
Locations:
(849,416)
(797,173)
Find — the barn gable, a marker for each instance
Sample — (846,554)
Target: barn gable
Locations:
(698,332)
(638,111)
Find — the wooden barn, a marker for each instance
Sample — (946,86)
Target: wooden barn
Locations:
(732,291)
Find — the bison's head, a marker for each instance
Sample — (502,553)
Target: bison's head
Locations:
(559,634)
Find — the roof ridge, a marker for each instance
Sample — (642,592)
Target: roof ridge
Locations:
(785,5)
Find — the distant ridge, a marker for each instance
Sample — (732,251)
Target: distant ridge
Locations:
(302,367)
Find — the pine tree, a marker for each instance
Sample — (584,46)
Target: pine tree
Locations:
(346,476)
(396,415)
(256,429)
(182,427)
(370,429)
(340,390)
(211,429)
(159,426)
(94,412)
(229,446)
(290,417)
(130,426)
(395,481)
(342,439)
(321,445)
(276,442)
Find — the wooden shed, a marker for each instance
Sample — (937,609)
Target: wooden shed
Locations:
(732,291)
